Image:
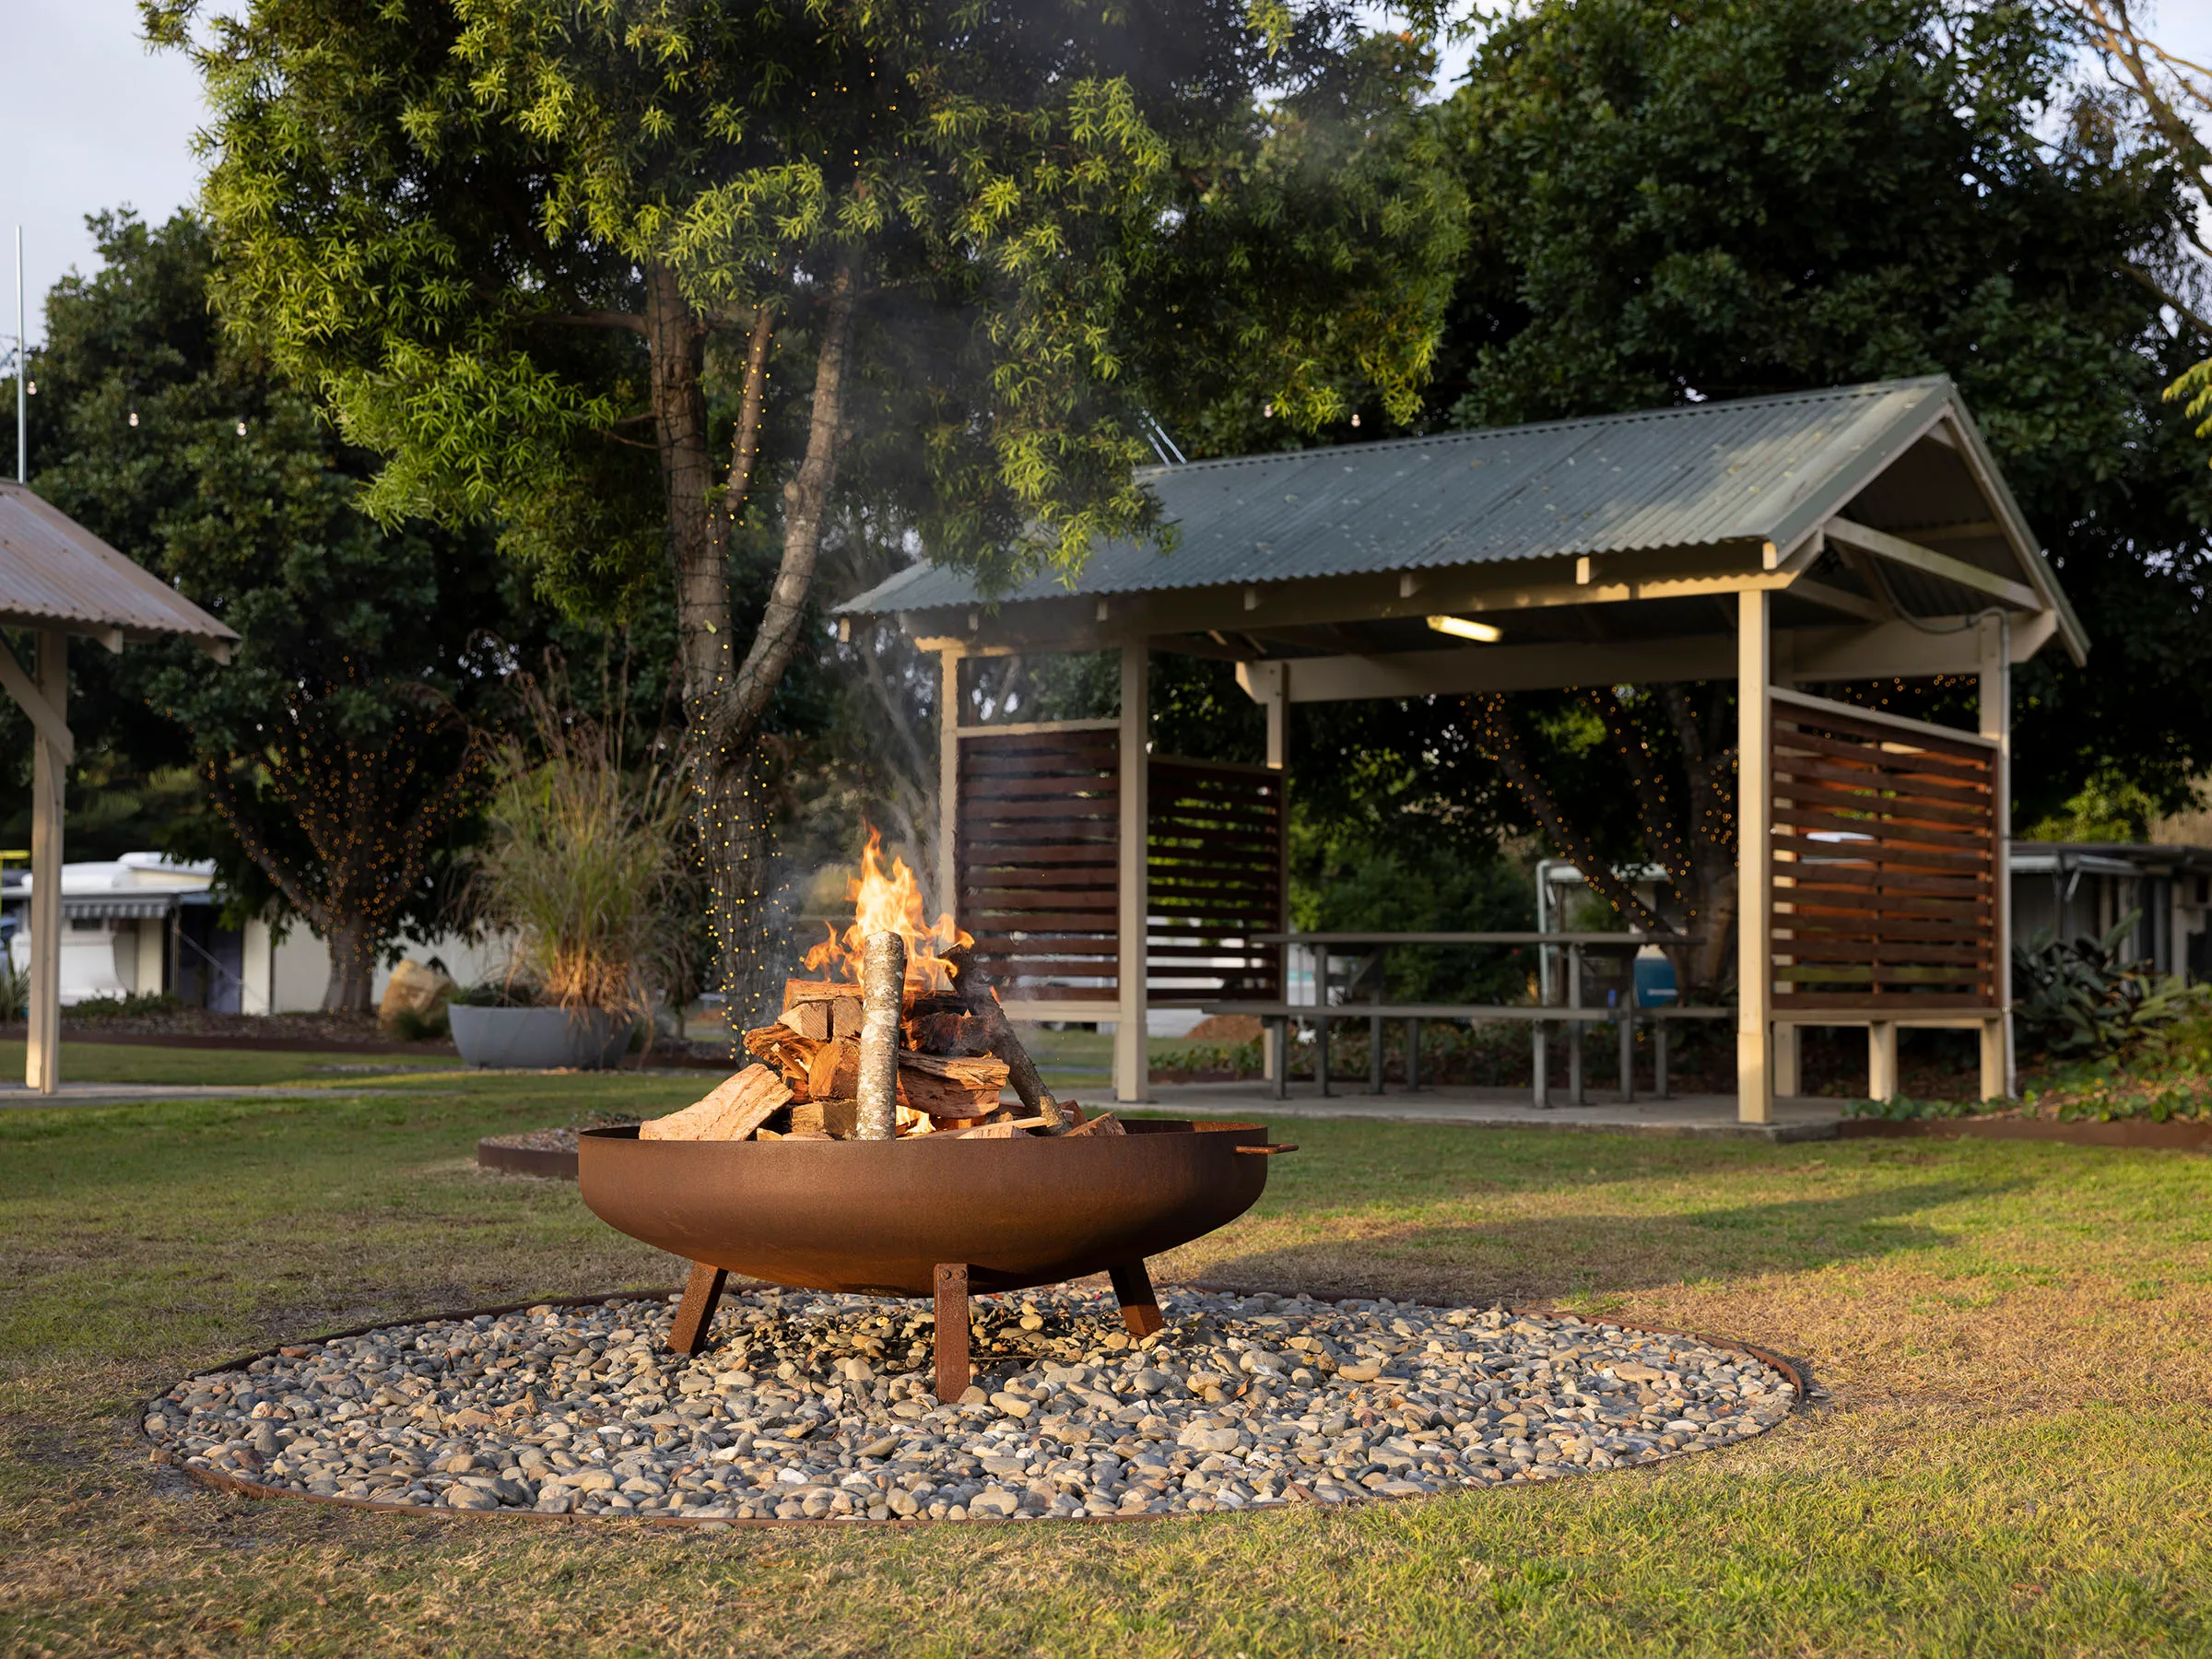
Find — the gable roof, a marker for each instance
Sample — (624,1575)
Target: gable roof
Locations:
(54,573)
(1769,470)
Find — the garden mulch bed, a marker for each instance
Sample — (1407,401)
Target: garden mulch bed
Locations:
(551,1153)
(2193,1137)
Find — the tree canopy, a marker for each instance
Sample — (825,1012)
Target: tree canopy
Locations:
(555,260)
(337,750)
(1732,197)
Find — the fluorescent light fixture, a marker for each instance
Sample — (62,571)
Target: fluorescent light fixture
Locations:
(1462,628)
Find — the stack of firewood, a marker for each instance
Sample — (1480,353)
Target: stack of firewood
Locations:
(957,1057)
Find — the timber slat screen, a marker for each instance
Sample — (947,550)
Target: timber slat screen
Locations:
(1216,877)
(1886,860)
(1038,830)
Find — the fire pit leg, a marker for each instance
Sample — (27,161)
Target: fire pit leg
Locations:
(695,1313)
(1132,1289)
(953,1374)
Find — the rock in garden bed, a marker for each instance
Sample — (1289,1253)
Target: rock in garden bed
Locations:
(819,1407)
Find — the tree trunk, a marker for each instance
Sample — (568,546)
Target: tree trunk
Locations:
(725,700)
(352,945)
(735,821)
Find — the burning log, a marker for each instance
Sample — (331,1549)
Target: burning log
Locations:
(883,996)
(947,1086)
(822,1010)
(982,1004)
(734,1111)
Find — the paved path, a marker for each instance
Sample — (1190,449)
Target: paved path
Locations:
(137,1094)
(1796,1119)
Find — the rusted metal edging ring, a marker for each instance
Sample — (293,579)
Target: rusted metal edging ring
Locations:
(215,1479)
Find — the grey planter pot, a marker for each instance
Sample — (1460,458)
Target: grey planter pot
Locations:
(540,1038)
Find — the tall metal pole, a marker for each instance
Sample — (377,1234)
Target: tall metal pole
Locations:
(22,374)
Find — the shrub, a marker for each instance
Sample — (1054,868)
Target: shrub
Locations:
(2083,999)
(1904,1108)
(411,1025)
(133,1006)
(582,861)
(15,990)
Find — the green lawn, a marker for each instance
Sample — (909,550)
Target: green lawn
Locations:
(134,1063)
(2012,1453)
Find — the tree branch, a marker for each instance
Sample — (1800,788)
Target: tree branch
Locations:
(745,445)
(1661,833)
(806,502)
(1494,732)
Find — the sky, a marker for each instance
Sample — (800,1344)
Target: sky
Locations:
(96,120)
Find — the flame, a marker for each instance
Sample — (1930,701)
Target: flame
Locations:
(890,902)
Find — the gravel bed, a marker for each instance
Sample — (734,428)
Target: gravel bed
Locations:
(819,1407)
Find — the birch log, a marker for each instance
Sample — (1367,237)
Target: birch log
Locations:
(883,999)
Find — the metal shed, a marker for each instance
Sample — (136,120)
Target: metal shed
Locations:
(58,579)
(1857,532)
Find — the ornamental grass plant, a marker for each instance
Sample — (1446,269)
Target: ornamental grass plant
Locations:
(582,861)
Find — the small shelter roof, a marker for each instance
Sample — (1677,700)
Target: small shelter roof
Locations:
(54,573)
(1372,536)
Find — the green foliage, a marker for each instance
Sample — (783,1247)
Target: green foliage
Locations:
(131,1004)
(1349,874)
(2163,1074)
(1904,1108)
(2109,808)
(412,1025)
(436,212)
(15,990)
(2085,998)
(338,743)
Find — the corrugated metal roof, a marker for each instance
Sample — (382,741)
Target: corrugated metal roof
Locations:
(1755,469)
(56,574)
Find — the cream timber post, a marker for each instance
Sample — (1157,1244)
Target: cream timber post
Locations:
(1268,683)
(1786,1068)
(1996,723)
(50,773)
(1754,854)
(1132,1058)
(949,783)
(1881,1060)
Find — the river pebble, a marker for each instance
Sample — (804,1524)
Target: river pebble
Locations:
(819,1407)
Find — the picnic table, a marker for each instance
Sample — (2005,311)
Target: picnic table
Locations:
(1373,949)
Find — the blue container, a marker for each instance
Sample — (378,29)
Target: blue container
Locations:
(1656,986)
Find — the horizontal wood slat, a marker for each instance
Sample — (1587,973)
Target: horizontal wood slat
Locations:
(1910,787)
(1038,830)
(1932,767)
(1214,874)
(1037,835)
(1902,915)
(1912,808)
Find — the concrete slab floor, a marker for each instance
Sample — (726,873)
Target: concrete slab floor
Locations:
(1795,1118)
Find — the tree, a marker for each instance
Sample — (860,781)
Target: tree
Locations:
(1722,198)
(340,747)
(545,255)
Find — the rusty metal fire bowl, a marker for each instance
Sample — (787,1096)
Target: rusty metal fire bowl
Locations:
(882,1216)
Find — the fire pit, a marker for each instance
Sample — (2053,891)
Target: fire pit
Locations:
(872,1152)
